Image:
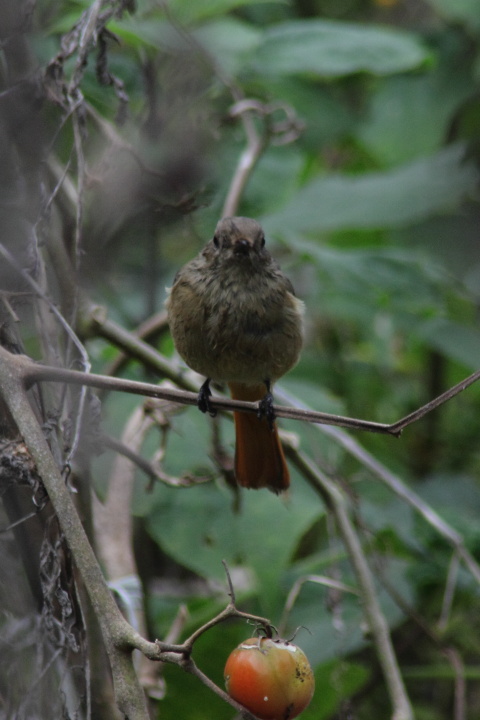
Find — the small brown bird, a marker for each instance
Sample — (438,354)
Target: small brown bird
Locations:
(234,318)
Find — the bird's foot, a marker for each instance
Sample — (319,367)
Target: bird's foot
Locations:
(265,407)
(203,399)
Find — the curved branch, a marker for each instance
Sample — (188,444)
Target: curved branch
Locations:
(40,373)
(395,484)
(116,632)
(120,638)
(436,402)
(378,625)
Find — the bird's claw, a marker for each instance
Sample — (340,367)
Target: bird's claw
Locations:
(203,399)
(265,409)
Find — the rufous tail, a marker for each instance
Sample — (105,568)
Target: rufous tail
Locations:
(259,458)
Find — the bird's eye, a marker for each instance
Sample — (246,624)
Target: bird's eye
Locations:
(262,241)
(216,241)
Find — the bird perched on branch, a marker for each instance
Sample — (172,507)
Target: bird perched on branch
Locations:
(234,318)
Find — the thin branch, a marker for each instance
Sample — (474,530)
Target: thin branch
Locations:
(298,585)
(448,595)
(460,695)
(120,638)
(247,110)
(230,611)
(117,634)
(97,323)
(52,307)
(378,625)
(250,156)
(39,373)
(231,589)
(436,402)
(193,669)
(279,132)
(395,484)
(44,373)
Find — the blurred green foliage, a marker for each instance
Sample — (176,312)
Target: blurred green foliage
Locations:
(374,212)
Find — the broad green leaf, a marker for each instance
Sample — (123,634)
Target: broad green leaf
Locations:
(458,342)
(198,528)
(400,271)
(467,11)
(153,32)
(274,180)
(434,237)
(409,115)
(334,681)
(199,10)
(327,642)
(399,197)
(326,115)
(456,497)
(229,41)
(329,48)
(66,22)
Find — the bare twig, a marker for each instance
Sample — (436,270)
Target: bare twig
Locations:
(278,132)
(254,148)
(39,373)
(335,500)
(460,700)
(151,469)
(395,484)
(119,637)
(433,404)
(297,586)
(248,110)
(230,611)
(52,307)
(72,337)
(231,589)
(448,595)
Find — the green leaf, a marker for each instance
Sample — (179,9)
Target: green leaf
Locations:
(66,22)
(409,115)
(322,129)
(395,198)
(274,180)
(467,11)
(198,528)
(229,41)
(457,342)
(327,641)
(329,48)
(152,32)
(334,681)
(456,496)
(198,10)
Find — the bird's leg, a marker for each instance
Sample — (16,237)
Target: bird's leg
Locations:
(265,406)
(203,399)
